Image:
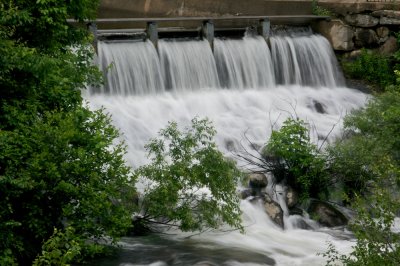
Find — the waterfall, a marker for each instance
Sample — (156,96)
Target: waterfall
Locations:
(134,67)
(244,63)
(246,87)
(188,65)
(305,60)
(130,68)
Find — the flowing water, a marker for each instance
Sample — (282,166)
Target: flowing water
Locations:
(244,87)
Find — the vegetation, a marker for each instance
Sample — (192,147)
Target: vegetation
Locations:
(294,160)
(59,167)
(193,186)
(372,67)
(367,161)
(319,10)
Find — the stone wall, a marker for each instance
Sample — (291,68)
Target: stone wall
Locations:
(356,28)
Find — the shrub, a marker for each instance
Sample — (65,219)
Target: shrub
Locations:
(192,185)
(295,160)
(371,66)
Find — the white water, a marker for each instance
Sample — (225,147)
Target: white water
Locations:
(244,63)
(250,111)
(188,65)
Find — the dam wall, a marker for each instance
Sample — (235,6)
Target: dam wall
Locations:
(196,8)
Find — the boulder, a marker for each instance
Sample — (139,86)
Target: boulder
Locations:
(296,211)
(245,193)
(257,180)
(382,33)
(339,35)
(386,13)
(292,198)
(319,107)
(387,17)
(389,47)
(353,54)
(389,21)
(273,210)
(366,37)
(361,20)
(326,214)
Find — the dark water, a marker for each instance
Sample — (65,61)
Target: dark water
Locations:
(157,250)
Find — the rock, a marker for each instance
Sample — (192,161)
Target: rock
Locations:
(339,35)
(382,33)
(361,20)
(273,210)
(292,198)
(326,214)
(257,180)
(353,54)
(296,211)
(319,107)
(389,47)
(389,21)
(386,13)
(365,37)
(387,17)
(245,193)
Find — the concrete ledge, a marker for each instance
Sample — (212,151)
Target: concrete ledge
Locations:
(195,8)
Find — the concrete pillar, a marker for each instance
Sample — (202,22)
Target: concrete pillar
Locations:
(92,27)
(265,28)
(208,32)
(152,32)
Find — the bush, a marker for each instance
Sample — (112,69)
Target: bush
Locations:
(368,163)
(371,66)
(296,161)
(372,134)
(192,185)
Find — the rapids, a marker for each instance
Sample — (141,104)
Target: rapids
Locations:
(245,88)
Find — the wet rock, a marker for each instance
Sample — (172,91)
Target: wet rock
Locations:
(382,33)
(389,47)
(292,197)
(326,214)
(319,107)
(296,211)
(257,180)
(365,37)
(245,193)
(339,35)
(273,210)
(361,20)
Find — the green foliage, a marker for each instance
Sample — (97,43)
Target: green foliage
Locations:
(368,163)
(371,66)
(296,160)
(373,133)
(377,243)
(61,169)
(60,163)
(319,10)
(60,249)
(192,185)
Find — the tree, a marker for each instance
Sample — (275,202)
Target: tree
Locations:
(192,185)
(293,159)
(60,163)
(368,163)
(371,134)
